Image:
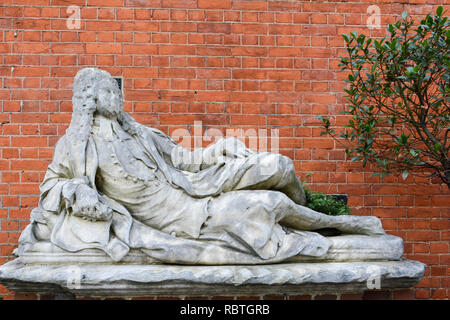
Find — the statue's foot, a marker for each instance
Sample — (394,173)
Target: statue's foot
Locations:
(367,225)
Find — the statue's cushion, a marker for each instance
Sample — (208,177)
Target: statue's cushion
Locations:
(343,248)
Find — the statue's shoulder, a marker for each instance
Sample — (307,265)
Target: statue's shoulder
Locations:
(61,143)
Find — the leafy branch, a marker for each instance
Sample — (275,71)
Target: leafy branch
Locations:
(399,99)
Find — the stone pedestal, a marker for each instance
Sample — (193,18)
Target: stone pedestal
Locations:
(353,264)
(106,280)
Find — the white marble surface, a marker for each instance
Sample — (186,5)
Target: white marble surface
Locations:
(286,278)
(342,248)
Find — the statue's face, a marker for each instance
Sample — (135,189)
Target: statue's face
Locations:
(109,101)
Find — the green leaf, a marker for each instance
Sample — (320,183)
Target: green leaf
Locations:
(405,174)
(439,10)
(404,15)
(438,146)
(391,28)
(403,138)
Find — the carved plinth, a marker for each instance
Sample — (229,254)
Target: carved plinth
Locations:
(45,268)
(103,280)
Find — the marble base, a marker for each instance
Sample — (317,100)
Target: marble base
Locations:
(354,263)
(125,280)
(343,248)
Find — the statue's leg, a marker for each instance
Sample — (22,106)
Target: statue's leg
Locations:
(303,218)
(231,208)
(271,171)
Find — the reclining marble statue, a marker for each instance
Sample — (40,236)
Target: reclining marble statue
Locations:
(117,185)
(133,210)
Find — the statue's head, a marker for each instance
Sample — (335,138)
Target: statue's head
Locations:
(96,92)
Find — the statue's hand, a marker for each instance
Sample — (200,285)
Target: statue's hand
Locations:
(88,206)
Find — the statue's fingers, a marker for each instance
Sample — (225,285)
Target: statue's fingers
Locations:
(87,210)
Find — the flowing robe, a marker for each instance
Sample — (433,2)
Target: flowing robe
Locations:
(160,202)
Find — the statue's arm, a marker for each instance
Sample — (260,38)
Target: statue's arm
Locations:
(61,188)
(200,158)
(58,175)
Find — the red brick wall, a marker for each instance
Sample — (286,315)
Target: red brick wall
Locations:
(245,64)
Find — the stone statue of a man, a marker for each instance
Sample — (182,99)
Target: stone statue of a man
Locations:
(116,185)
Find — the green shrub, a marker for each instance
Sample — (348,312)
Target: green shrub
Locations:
(399,99)
(327,204)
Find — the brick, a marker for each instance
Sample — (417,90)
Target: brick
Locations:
(377,295)
(26,296)
(406,294)
(318,143)
(325,297)
(103,48)
(222,28)
(214,4)
(439,247)
(423,236)
(389,212)
(302,297)
(440,201)
(31,48)
(105,3)
(351,296)
(140,49)
(425,258)
(439,294)
(440,224)
(9,225)
(3,237)
(424,212)
(274,297)
(437,271)
(422,293)
(29,141)
(167,298)
(8,201)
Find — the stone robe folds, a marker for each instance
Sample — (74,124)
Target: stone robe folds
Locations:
(262,239)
